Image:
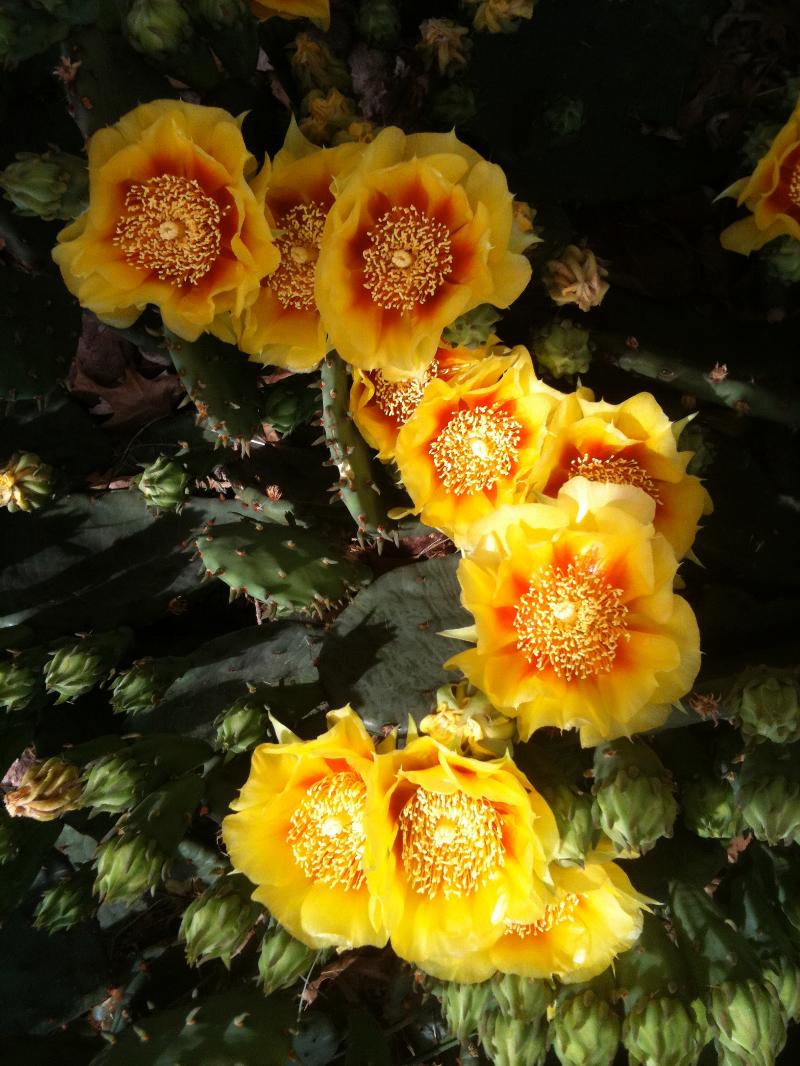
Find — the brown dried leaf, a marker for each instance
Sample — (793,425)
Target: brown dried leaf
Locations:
(134,400)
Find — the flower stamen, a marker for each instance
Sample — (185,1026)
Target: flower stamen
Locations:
(408,260)
(793,190)
(554,914)
(571,621)
(400,399)
(326,833)
(616,469)
(476,449)
(298,242)
(452,843)
(171,227)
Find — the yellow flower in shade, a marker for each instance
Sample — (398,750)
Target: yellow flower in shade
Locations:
(597,915)
(631,443)
(171,220)
(771,194)
(381,407)
(457,847)
(418,235)
(576,624)
(316,10)
(472,442)
(299,833)
(283,326)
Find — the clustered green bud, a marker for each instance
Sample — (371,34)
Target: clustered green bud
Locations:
(217,924)
(634,795)
(77,668)
(20,679)
(290,403)
(562,348)
(768,792)
(128,864)
(48,790)
(511,1041)
(784,976)
(163,483)
(665,1031)
(748,1024)
(453,105)
(474,328)
(463,1006)
(49,186)
(114,783)
(25,482)
(586,1030)
(157,27)
(709,808)
(283,959)
(521,997)
(241,727)
(67,903)
(144,684)
(766,701)
(379,22)
(573,812)
(782,258)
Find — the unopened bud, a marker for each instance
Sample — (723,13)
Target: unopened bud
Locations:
(562,348)
(576,278)
(25,482)
(48,790)
(218,923)
(157,27)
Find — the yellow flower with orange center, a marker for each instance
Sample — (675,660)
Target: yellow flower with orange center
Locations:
(380,407)
(473,440)
(631,443)
(771,194)
(419,234)
(283,326)
(171,220)
(299,833)
(317,10)
(457,847)
(576,624)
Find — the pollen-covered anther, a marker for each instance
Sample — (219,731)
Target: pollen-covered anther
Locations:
(554,914)
(400,399)
(476,449)
(326,833)
(616,469)
(408,259)
(571,621)
(300,233)
(793,190)
(452,843)
(171,227)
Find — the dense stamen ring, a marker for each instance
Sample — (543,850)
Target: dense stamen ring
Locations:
(298,242)
(476,449)
(408,258)
(327,834)
(616,469)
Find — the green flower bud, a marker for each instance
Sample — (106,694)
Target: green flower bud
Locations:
(573,813)
(127,865)
(513,1042)
(142,686)
(25,482)
(782,258)
(565,117)
(665,1031)
(241,727)
(521,997)
(379,22)
(49,186)
(463,1006)
(221,13)
(453,105)
(290,403)
(48,790)
(283,959)
(163,483)
(219,922)
(157,27)
(114,783)
(748,1022)
(709,808)
(77,668)
(474,328)
(67,903)
(635,805)
(768,791)
(586,1030)
(694,439)
(767,703)
(21,679)
(314,66)
(784,976)
(562,348)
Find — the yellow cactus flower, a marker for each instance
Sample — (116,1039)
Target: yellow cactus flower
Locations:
(457,847)
(316,10)
(283,326)
(598,915)
(299,830)
(380,407)
(631,443)
(171,220)
(771,194)
(473,440)
(419,234)
(576,624)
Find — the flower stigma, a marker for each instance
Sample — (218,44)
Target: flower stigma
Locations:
(298,242)
(452,843)
(408,259)
(171,227)
(327,834)
(571,621)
